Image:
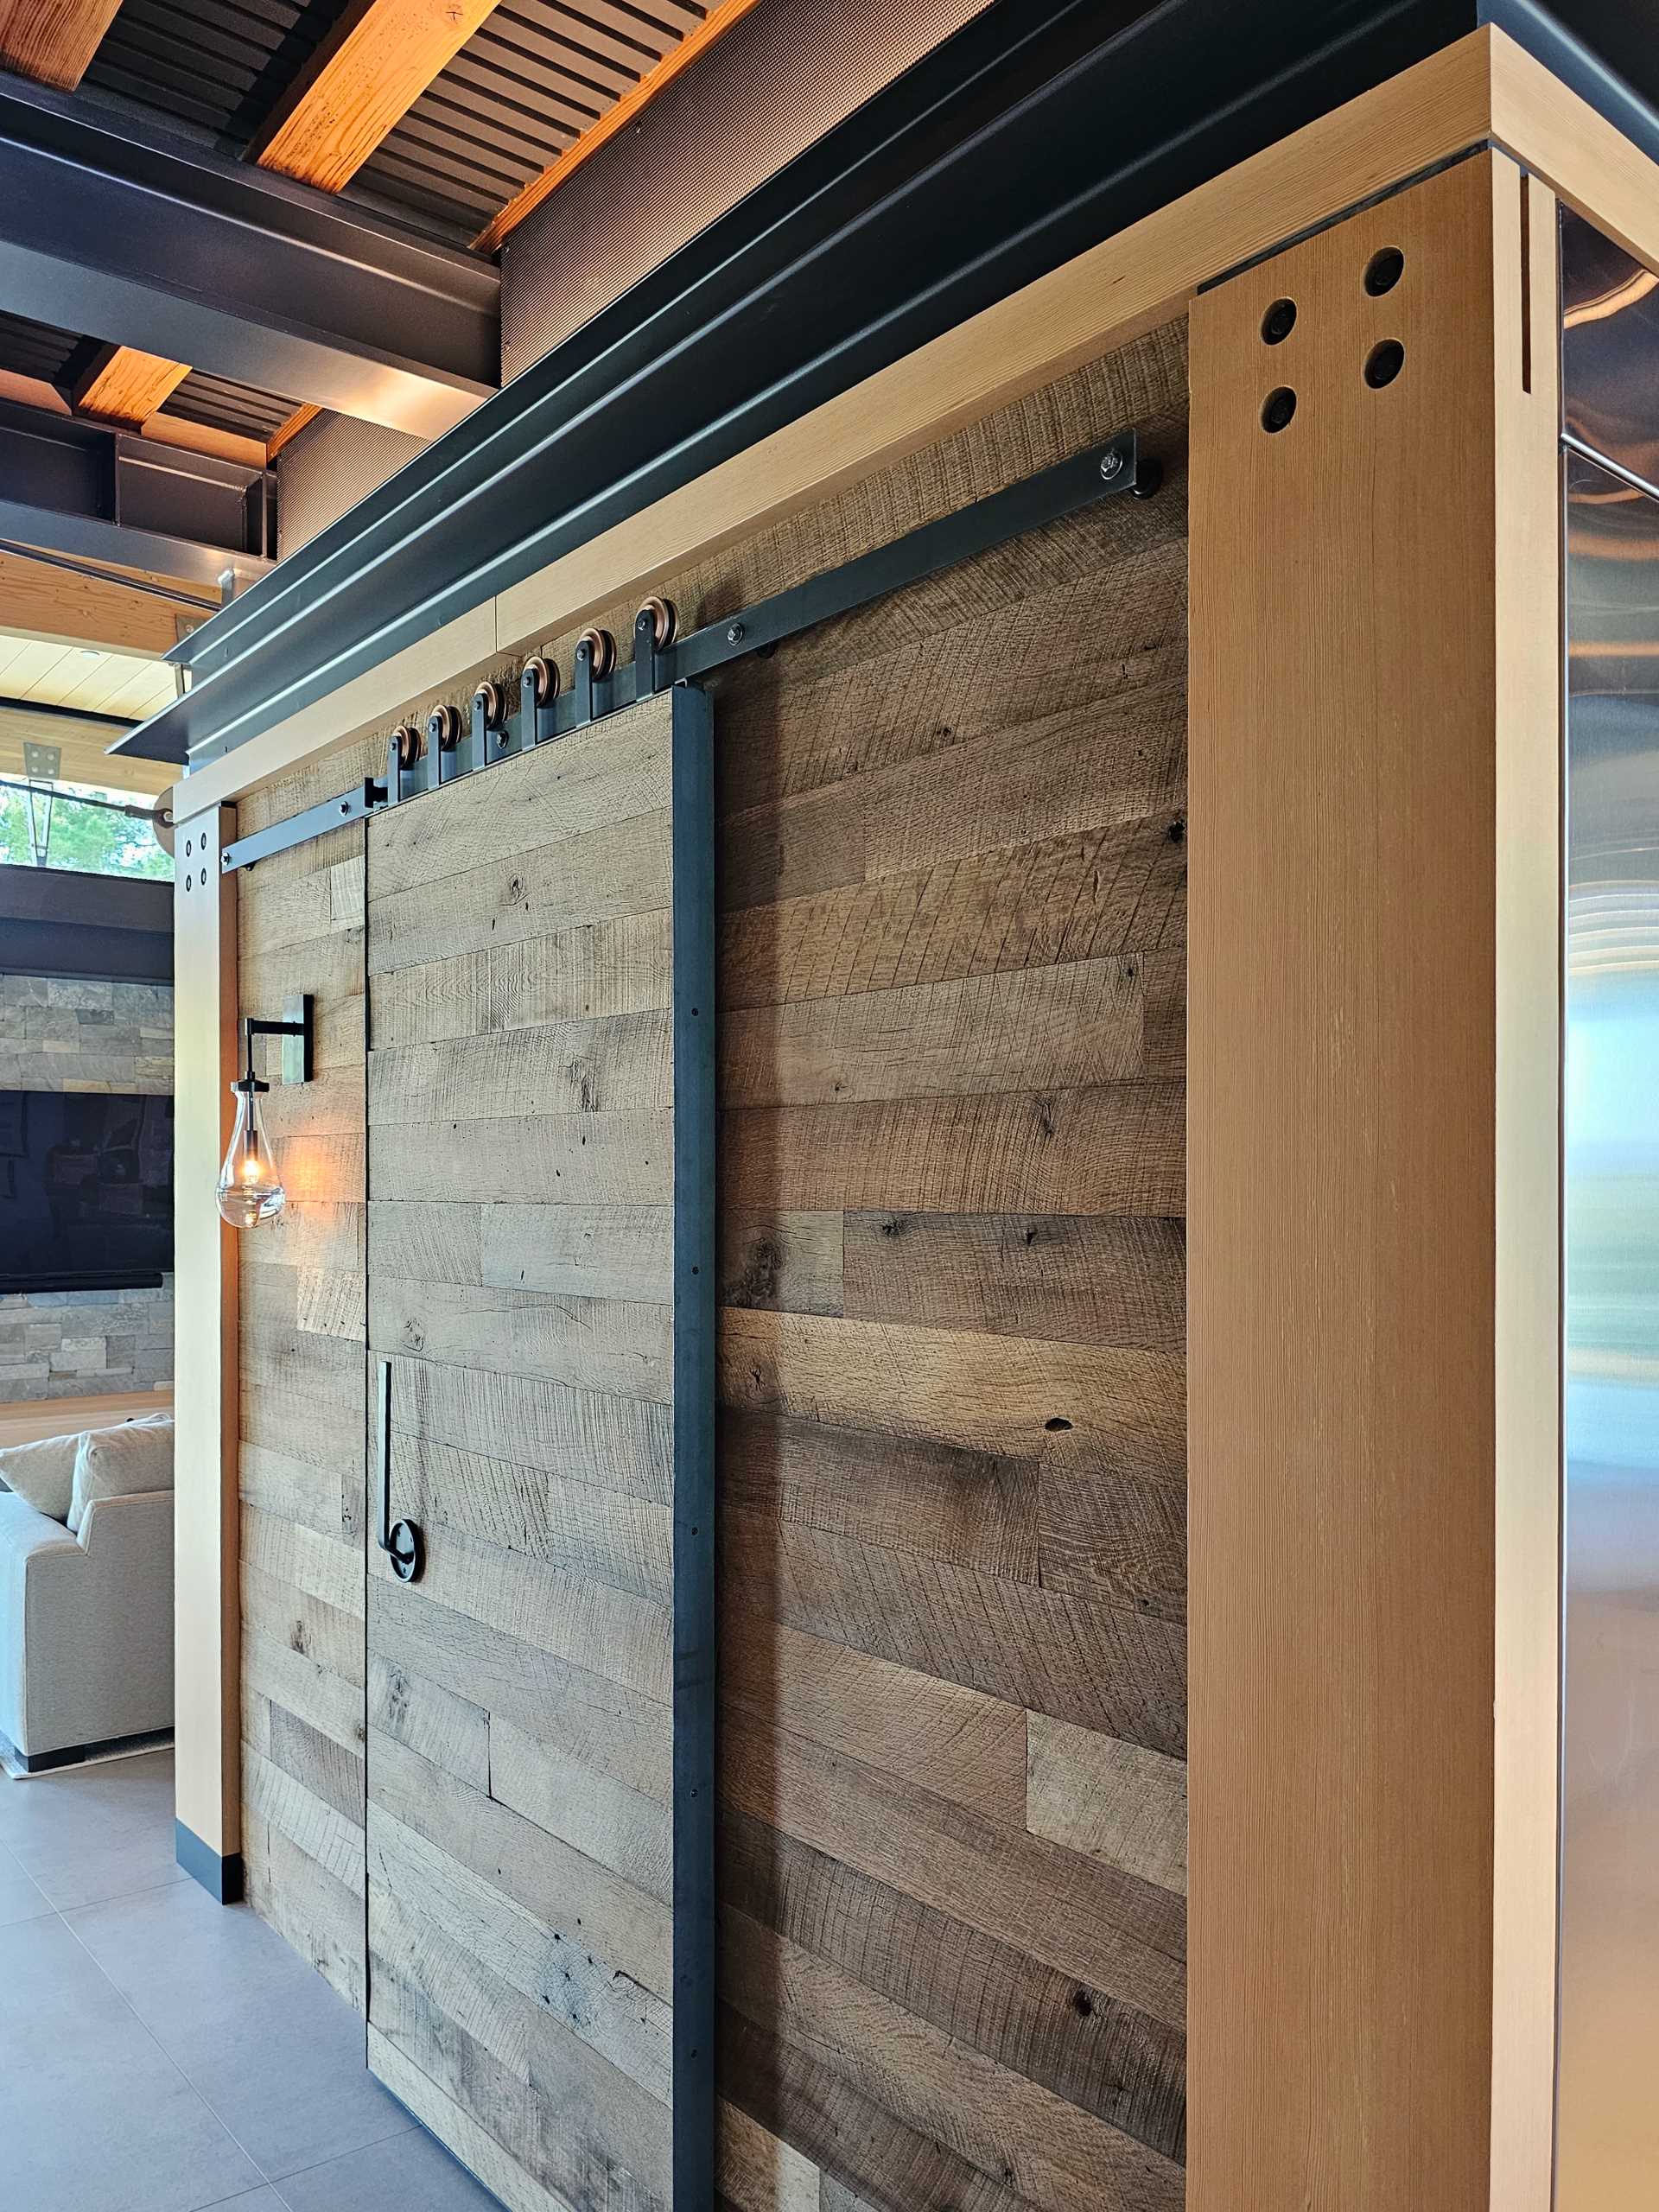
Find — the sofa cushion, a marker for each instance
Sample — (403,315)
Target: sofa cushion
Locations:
(121,1463)
(43,1473)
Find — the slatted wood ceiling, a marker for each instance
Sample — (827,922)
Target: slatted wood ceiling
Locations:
(952,1009)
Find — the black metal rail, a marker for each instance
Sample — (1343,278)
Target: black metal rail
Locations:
(451,750)
(1040,128)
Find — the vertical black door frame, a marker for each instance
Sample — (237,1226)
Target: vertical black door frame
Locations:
(695,1618)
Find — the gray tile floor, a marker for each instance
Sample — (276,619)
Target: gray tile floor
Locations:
(162,2053)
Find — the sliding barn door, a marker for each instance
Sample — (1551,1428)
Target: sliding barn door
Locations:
(540,1634)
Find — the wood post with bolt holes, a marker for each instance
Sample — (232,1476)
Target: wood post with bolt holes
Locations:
(1373,1201)
(207,1618)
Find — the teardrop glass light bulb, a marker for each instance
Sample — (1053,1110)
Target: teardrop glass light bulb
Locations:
(250,1189)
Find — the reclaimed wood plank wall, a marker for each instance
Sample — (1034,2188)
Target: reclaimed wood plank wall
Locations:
(953,1441)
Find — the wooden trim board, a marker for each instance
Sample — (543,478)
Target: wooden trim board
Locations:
(1583,159)
(1529,890)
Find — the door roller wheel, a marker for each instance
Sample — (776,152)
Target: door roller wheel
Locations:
(664,622)
(602,647)
(544,679)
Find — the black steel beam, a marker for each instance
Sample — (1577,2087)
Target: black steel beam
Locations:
(83,717)
(58,922)
(1042,127)
(130,234)
(80,488)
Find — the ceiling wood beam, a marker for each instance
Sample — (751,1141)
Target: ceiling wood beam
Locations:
(296,423)
(186,436)
(53,40)
(33,391)
(124,385)
(360,83)
(82,745)
(719,19)
(54,604)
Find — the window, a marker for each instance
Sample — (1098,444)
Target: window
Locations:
(83,827)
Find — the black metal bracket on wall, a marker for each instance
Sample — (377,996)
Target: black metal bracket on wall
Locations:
(452,748)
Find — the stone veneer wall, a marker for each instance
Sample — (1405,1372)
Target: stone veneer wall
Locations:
(58,1034)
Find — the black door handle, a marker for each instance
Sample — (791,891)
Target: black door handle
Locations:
(401,1541)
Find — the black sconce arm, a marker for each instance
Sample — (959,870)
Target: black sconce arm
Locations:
(296,1033)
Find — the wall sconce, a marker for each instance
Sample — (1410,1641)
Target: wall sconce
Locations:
(250,1189)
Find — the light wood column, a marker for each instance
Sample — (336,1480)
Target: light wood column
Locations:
(1374,1218)
(207,1611)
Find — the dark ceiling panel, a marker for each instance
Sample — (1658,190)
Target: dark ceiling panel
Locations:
(214,65)
(223,406)
(525,85)
(35,349)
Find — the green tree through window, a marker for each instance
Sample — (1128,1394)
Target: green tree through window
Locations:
(87,839)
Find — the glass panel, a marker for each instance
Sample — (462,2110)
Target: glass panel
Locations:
(53,826)
(1609,341)
(1608,2140)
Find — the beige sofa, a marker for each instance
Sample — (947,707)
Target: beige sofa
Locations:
(86,1592)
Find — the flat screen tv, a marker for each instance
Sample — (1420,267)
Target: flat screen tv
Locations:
(85,1190)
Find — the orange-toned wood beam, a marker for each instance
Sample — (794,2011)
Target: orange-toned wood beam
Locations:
(53,40)
(33,391)
(360,83)
(186,436)
(124,385)
(296,423)
(719,19)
